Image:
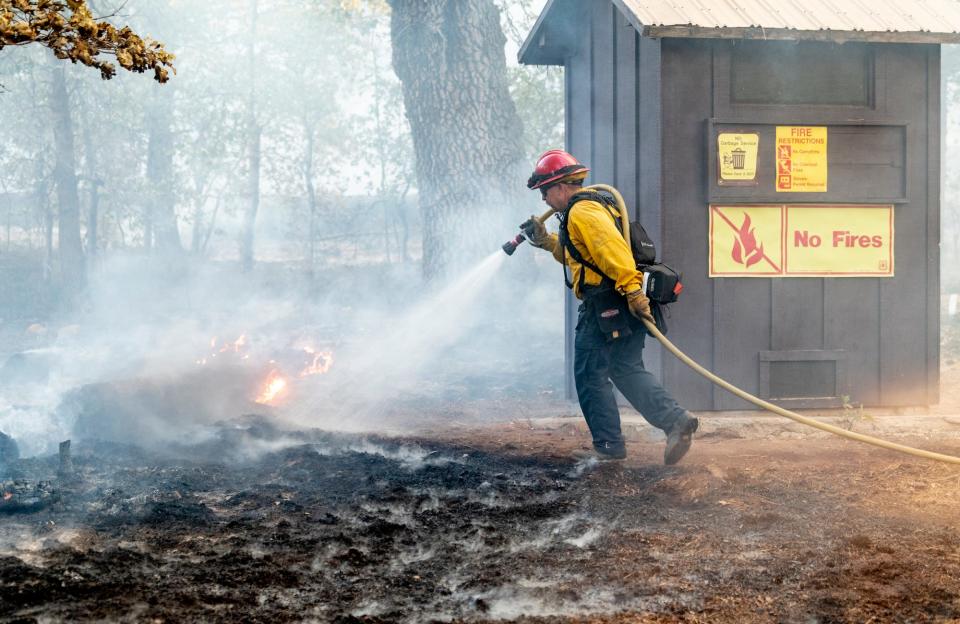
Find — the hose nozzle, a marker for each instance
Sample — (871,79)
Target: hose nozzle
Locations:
(511,245)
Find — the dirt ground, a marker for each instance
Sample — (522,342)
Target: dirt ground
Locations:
(494,522)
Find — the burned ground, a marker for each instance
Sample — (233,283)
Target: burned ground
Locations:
(485,523)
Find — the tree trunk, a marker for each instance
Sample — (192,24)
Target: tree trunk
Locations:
(404,222)
(211,226)
(41,199)
(449,56)
(93,181)
(72,270)
(199,201)
(200,179)
(311,193)
(48,219)
(405,242)
(93,218)
(197,231)
(386,231)
(148,226)
(160,173)
(381,153)
(253,150)
(9,223)
(253,192)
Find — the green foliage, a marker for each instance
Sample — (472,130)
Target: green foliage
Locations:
(537,91)
(538,94)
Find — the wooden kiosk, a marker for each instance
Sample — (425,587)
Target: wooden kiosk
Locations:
(788,163)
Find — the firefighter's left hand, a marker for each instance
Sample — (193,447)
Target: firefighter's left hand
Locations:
(639,305)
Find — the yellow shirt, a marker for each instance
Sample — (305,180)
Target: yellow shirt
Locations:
(595,234)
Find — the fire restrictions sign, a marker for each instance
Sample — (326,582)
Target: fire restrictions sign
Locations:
(801,153)
(801,241)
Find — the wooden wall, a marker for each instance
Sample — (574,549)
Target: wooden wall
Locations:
(639,113)
(613,124)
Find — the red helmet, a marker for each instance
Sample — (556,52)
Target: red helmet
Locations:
(554,165)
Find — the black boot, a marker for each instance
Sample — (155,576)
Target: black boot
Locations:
(679,438)
(603,451)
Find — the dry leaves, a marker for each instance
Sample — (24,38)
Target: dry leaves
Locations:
(69,29)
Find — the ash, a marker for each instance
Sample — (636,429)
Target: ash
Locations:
(263,522)
(315,525)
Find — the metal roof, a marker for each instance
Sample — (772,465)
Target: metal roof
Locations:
(931,20)
(887,21)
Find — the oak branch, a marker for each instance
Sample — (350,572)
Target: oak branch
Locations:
(71,31)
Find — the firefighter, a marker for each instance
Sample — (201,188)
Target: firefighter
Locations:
(606,269)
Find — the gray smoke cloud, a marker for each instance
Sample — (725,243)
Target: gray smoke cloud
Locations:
(157,354)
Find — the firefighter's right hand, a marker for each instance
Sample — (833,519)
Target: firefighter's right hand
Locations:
(639,305)
(535,231)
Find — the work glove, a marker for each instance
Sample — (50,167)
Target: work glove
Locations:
(639,305)
(535,231)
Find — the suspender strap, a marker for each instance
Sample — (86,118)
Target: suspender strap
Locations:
(568,246)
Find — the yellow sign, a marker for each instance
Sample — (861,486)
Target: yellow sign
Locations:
(746,240)
(801,154)
(801,241)
(737,157)
(839,240)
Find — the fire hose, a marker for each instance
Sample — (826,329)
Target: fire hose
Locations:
(726,385)
(804,420)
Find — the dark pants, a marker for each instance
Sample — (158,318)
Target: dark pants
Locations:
(596,362)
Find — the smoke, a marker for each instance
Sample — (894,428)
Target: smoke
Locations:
(126,364)
(123,365)
(410,457)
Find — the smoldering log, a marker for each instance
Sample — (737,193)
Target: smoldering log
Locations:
(23,496)
(152,413)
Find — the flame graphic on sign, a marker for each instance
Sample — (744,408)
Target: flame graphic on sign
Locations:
(745,248)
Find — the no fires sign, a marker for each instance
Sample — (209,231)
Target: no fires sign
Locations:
(801,241)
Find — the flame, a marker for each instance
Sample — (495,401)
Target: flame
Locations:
(238,346)
(320,363)
(273,387)
(745,244)
(277,384)
(234,346)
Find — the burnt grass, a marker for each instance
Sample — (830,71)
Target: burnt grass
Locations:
(259,525)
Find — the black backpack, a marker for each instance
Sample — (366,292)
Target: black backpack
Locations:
(662,284)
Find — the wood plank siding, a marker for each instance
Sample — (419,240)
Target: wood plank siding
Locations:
(643,113)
